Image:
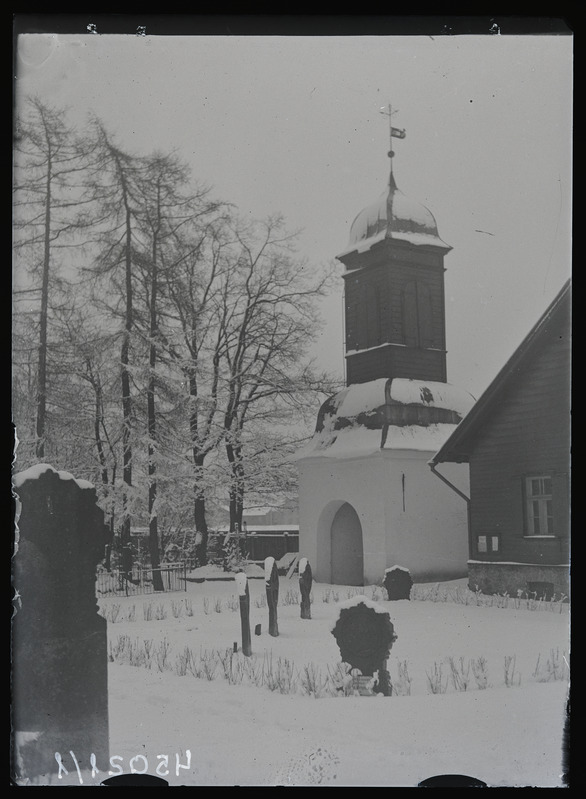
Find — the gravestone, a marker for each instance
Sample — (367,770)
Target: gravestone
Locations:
(305,582)
(272,589)
(59,645)
(365,635)
(244,600)
(398,583)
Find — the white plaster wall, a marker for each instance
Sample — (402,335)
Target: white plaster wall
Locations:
(429,537)
(324,486)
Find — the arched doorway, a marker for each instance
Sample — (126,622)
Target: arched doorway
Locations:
(347,556)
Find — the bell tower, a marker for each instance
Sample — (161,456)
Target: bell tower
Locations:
(367,498)
(394,289)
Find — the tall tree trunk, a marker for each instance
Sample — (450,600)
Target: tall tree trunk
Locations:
(199,511)
(152,430)
(236,493)
(42,370)
(199,502)
(126,398)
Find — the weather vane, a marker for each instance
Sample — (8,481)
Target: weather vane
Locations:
(397,133)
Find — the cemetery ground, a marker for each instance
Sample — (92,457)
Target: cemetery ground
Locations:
(480,686)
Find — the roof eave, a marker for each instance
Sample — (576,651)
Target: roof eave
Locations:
(448,452)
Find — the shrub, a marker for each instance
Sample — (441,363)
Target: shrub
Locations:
(460,673)
(512,677)
(480,672)
(436,682)
(555,667)
(402,685)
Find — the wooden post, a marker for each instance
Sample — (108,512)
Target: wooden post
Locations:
(305,581)
(272,588)
(244,596)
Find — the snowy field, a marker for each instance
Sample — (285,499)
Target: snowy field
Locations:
(480,687)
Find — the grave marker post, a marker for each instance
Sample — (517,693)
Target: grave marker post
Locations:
(244,597)
(305,582)
(272,589)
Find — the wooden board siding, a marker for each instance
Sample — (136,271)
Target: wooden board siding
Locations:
(395,362)
(396,302)
(527,434)
(380,292)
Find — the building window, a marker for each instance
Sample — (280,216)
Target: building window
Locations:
(539,505)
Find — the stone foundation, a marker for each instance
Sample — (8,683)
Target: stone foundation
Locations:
(510,578)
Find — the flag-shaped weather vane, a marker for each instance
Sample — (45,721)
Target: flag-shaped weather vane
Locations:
(394,133)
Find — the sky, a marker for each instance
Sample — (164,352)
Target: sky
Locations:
(293,124)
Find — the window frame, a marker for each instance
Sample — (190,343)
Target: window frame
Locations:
(544,500)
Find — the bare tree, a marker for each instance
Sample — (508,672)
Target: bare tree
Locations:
(166,212)
(193,342)
(49,214)
(117,177)
(270,315)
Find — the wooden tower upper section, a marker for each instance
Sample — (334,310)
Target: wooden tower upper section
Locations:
(394,291)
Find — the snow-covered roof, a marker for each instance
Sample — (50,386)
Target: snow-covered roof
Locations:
(263,528)
(393,216)
(367,418)
(554,322)
(36,471)
(430,393)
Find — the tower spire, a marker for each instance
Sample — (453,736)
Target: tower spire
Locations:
(397,133)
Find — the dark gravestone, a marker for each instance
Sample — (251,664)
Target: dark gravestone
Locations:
(365,635)
(305,582)
(398,583)
(272,589)
(244,599)
(59,645)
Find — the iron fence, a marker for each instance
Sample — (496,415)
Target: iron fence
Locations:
(140,581)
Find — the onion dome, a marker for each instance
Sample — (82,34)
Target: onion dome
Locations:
(394,216)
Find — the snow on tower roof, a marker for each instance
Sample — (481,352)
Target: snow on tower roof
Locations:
(393,216)
(366,418)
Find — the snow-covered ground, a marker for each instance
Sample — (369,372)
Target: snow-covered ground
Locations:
(238,731)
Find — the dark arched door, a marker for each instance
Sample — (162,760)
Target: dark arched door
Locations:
(347,551)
